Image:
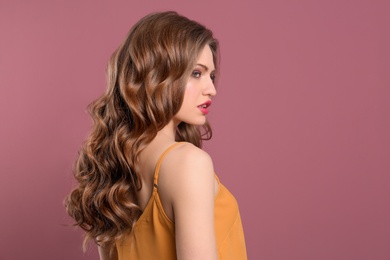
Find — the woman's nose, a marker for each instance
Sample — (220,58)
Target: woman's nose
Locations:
(210,88)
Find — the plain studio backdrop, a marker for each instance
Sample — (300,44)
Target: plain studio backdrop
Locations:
(301,120)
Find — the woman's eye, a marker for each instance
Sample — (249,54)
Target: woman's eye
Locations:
(196,74)
(212,76)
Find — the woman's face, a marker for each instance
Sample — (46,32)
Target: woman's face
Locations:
(198,91)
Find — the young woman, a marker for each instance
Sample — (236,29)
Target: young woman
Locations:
(146,189)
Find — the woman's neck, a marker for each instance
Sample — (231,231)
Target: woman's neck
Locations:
(168,132)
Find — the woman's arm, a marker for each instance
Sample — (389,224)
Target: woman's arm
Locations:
(191,191)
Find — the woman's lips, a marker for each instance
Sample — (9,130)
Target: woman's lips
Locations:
(203,107)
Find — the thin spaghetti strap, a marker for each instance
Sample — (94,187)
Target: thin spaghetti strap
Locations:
(216,177)
(160,160)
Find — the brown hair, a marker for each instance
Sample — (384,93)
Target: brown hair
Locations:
(146,78)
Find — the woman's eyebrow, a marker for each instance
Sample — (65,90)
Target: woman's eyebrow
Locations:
(203,66)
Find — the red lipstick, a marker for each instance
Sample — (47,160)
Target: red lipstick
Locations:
(203,107)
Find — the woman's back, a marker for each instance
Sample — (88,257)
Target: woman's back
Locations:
(168,169)
(154,237)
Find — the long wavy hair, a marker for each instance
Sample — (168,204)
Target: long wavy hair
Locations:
(146,77)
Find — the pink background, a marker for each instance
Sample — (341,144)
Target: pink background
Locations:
(301,122)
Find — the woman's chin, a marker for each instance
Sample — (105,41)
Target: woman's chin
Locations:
(198,122)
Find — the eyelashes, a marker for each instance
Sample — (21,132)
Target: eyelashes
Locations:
(198,74)
(212,77)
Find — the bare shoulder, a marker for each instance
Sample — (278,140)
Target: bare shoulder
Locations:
(190,153)
(186,159)
(186,171)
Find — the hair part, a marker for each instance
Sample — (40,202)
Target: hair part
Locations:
(146,77)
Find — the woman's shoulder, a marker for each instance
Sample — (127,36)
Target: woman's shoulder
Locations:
(188,149)
(186,165)
(186,156)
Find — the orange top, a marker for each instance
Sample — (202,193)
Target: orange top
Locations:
(153,236)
